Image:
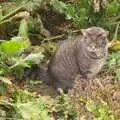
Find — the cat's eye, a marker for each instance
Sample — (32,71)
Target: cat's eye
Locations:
(101,42)
(103,37)
(104,43)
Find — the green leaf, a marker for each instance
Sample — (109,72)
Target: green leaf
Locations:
(117,73)
(12,47)
(70,11)
(33,110)
(23,29)
(59,5)
(1,12)
(3,88)
(91,106)
(112,8)
(34,58)
(20,63)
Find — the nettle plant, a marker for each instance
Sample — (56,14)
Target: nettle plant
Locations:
(13,60)
(86,13)
(24,105)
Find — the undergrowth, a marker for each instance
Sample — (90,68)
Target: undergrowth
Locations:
(22,23)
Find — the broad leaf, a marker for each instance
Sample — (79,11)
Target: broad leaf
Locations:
(33,110)
(12,47)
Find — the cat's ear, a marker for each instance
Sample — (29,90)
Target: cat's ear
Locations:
(84,31)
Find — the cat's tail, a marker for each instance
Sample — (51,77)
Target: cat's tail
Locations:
(43,75)
(39,73)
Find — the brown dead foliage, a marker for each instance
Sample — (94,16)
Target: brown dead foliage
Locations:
(99,89)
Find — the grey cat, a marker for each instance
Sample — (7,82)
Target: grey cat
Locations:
(84,56)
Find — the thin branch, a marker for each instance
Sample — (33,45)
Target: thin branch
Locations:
(11,14)
(59,36)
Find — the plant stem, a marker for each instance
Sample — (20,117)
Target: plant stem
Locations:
(116,32)
(3,20)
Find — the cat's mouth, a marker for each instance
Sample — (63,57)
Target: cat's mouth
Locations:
(95,55)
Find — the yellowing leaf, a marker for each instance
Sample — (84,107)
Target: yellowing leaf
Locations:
(115,45)
(5,80)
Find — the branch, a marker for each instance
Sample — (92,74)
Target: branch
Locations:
(4,18)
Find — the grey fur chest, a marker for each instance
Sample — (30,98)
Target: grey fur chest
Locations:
(94,67)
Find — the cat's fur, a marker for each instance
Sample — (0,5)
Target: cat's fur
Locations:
(84,56)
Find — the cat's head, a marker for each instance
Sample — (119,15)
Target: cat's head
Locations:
(95,41)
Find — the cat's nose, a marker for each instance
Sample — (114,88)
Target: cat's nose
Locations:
(99,53)
(93,48)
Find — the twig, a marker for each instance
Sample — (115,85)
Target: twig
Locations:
(115,18)
(114,23)
(99,83)
(53,38)
(116,32)
(6,21)
(58,37)
(11,14)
